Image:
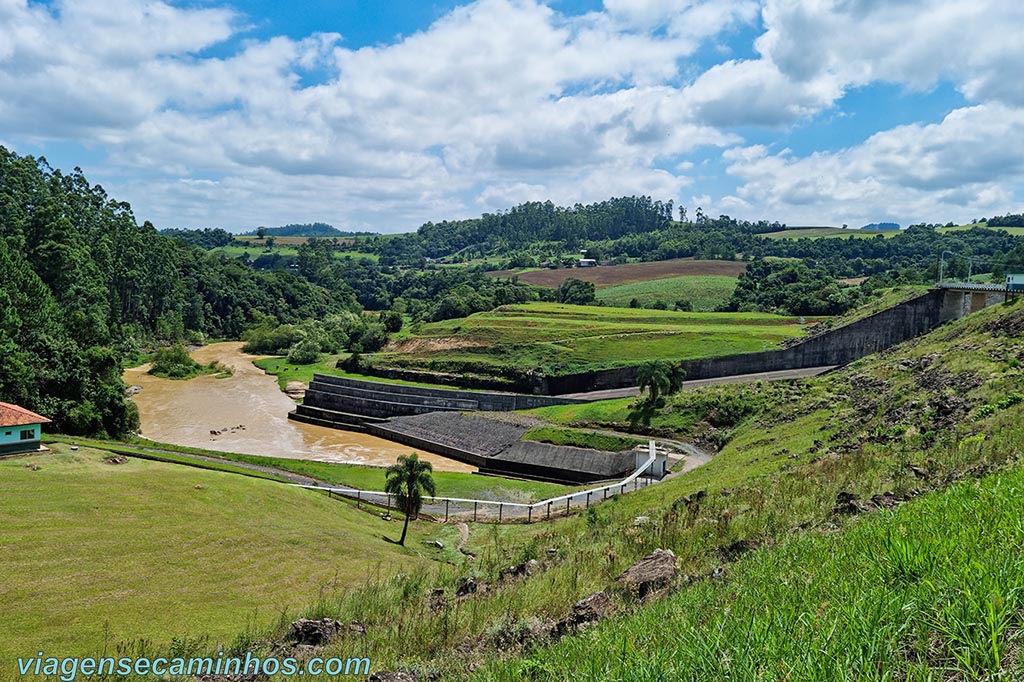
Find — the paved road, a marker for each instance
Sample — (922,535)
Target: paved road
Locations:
(735,379)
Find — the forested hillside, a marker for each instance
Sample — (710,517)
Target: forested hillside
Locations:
(83,285)
(643,229)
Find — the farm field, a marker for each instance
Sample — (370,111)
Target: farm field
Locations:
(704,292)
(295,241)
(562,339)
(613,275)
(279,249)
(1018,231)
(99,564)
(827,232)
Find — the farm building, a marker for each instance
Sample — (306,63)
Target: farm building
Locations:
(20,429)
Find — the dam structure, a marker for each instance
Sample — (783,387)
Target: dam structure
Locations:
(428,418)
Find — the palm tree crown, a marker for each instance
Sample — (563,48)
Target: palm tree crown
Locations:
(408,481)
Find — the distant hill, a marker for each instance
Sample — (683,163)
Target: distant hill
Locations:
(882,226)
(304,230)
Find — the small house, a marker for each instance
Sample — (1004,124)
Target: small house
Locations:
(587,263)
(20,429)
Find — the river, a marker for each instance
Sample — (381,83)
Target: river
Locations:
(250,415)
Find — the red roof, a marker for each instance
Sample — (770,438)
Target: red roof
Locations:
(12,415)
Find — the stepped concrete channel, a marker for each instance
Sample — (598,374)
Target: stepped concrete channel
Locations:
(438,421)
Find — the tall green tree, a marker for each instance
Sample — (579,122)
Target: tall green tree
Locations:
(408,481)
(656,378)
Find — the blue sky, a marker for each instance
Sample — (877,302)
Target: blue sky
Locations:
(382,116)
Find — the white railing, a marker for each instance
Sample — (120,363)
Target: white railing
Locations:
(968,286)
(506,511)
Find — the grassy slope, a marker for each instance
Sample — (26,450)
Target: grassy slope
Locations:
(286,371)
(958,228)
(894,597)
(256,251)
(786,456)
(705,293)
(156,551)
(449,483)
(565,338)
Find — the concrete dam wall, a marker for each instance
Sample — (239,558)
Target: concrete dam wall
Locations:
(839,346)
(355,403)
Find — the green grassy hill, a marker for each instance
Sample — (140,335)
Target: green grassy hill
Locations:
(929,592)
(704,292)
(97,555)
(557,338)
(900,598)
(959,228)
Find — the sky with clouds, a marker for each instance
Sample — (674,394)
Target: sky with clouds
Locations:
(384,115)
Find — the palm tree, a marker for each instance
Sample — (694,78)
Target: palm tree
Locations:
(656,378)
(407,481)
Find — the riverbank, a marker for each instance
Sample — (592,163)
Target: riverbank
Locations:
(247,413)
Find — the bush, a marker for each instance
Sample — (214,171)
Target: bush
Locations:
(372,338)
(305,353)
(174,362)
(391,320)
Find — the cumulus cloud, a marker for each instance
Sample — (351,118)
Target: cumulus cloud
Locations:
(969,164)
(501,101)
(811,53)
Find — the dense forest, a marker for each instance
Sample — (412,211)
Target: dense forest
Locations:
(83,286)
(639,228)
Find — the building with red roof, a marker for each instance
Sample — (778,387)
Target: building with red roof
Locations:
(20,429)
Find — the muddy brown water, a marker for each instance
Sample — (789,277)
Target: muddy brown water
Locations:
(250,414)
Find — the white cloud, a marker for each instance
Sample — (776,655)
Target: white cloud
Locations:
(813,51)
(970,164)
(502,101)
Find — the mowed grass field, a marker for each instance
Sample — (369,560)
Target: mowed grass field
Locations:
(1018,231)
(257,250)
(614,275)
(827,232)
(94,555)
(704,292)
(558,338)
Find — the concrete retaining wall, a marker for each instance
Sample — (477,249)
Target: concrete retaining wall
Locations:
(836,347)
(325,386)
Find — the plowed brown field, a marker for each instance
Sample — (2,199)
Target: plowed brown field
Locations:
(611,275)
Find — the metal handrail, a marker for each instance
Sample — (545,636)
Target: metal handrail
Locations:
(561,498)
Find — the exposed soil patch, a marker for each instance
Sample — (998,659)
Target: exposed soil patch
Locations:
(433,345)
(612,275)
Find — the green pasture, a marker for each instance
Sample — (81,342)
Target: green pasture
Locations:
(558,338)
(704,292)
(256,250)
(104,557)
(930,592)
(1018,231)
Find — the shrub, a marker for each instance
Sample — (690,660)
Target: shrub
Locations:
(174,362)
(305,353)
